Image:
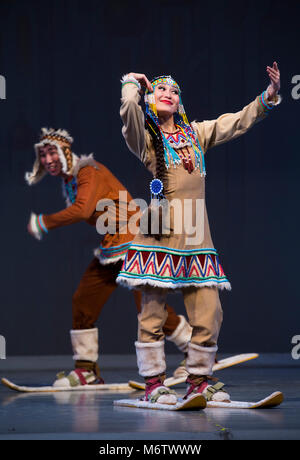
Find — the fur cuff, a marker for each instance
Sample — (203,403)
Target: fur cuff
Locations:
(85,344)
(37,226)
(182,335)
(200,360)
(151,359)
(129,79)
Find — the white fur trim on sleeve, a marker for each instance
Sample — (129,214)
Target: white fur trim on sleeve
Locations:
(35,229)
(129,79)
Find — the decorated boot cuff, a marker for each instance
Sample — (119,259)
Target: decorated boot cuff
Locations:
(85,344)
(200,360)
(150,358)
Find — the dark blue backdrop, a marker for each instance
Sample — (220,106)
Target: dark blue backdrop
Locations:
(63,60)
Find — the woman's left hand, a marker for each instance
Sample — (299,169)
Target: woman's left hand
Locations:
(274,85)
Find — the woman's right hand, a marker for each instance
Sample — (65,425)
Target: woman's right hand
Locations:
(142,79)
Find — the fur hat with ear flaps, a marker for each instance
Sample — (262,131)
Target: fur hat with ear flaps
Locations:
(62,140)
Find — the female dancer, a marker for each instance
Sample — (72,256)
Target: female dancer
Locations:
(85,182)
(181,254)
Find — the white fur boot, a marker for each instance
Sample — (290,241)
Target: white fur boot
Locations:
(199,362)
(152,364)
(85,344)
(85,349)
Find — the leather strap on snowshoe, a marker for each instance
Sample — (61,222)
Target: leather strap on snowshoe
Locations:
(211,390)
(161,391)
(90,366)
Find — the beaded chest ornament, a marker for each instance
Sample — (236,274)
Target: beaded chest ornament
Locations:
(179,141)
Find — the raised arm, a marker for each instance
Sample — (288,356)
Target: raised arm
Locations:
(231,125)
(131,113)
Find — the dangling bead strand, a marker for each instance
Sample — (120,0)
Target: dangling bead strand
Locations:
(71,189)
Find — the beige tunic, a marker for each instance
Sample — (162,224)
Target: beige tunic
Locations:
(186,256)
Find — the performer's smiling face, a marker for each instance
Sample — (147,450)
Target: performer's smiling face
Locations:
(166,99)
(50,160)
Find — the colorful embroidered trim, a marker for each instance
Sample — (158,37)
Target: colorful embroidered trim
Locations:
(264,103)
(177,139)
(167,80)
(178,252)
(133,82)
(171,156)
(130,79)
(40,224)
(113,251)
(173,266)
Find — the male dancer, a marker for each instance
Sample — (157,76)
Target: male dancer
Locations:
(85,182)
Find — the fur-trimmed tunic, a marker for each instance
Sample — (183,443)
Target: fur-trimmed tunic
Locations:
(174,261)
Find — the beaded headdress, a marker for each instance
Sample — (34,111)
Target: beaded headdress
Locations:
(62,140)
(180,118)
(150,99)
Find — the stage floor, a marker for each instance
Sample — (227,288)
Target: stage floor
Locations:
(83,415)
